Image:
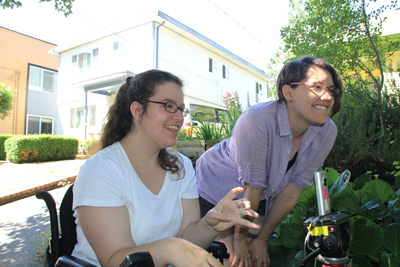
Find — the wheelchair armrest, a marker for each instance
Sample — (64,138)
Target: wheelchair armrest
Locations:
(71,261)
(219,251)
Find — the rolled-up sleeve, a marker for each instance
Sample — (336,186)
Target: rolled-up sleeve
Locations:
(250,137)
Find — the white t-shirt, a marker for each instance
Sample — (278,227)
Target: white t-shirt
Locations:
(108,179)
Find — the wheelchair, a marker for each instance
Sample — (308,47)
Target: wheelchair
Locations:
(61,245)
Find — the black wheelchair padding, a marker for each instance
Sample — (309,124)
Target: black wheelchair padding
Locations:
(67,222)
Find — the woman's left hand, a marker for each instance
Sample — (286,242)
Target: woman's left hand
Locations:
(259,253)
(228,212)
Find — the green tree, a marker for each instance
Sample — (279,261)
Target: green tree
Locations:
(6,98)
(346,33)
(64,6)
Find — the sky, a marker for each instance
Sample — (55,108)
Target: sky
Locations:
(250,29)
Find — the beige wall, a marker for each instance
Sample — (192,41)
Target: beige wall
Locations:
(16,52)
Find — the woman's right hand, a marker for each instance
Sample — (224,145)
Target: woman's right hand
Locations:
(241,254)
(186,254)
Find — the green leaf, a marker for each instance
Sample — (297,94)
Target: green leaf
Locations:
(361,261)
(376,189)
(372,204)
(340,183)
(347,203)
(331,175)
(281,256)
(292,235)
(361,180)
(366,236)
(391,239)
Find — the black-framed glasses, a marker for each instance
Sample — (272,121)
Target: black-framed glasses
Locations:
(171,107)
(319,88)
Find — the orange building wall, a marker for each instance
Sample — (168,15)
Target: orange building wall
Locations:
(16,51)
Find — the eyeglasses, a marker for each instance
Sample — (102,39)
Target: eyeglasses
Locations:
(320,88)
(171,107)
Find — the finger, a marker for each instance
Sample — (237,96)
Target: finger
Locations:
(214,262)
(243,203)
(246,212)
(233,193)
(248,224)
(215,215)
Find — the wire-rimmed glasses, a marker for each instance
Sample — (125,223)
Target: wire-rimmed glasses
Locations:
(319,88)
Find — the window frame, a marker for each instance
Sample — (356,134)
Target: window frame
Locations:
(40,123)
(42,79)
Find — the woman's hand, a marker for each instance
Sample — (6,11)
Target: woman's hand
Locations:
(259,253)
(241,255)
(187,254)
(228,212)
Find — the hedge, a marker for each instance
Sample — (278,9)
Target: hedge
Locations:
(3,138)
(40,148)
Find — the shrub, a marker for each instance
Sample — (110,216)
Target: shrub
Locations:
(40,148)
(91,146)
(374,216)
(3,138)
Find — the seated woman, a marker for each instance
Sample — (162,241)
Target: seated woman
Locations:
(136,195)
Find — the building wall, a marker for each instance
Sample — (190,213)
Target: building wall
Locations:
(16,52)
(176,54)
(190,61)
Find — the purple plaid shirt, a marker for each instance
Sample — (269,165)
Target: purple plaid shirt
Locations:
(258,154)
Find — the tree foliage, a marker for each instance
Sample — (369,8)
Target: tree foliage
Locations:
(6,98)
(64,6)
(346,33)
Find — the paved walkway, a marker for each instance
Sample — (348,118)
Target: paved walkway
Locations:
(24,220)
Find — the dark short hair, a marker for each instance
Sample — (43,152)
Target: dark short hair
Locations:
(297,70)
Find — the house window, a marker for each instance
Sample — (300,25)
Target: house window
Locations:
(39,125)
(95,59)
(80,117)
(225,72)
(72,118)
(81,62)
(42,79)
(212,65)
(258,88)
(92,115)
(77,116)
(118,48)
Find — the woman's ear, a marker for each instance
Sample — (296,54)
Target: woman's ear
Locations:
(287,93)
(136,111)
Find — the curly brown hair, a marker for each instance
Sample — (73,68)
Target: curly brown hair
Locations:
(297,70)
(119,120)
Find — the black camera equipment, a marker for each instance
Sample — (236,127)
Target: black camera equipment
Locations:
(328,236)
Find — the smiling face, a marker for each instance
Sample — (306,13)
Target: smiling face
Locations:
(159,126)
(306,107)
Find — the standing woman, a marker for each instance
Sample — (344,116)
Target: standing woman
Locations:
(274,150)
(136,195)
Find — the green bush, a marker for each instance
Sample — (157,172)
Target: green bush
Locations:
(91,146)
(374,216)
(3,138)
(40,148)
(360,137)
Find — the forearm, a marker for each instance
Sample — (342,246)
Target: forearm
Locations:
(200,233)
(280,208)
(162,251)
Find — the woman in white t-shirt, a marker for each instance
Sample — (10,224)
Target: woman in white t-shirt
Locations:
(136,195)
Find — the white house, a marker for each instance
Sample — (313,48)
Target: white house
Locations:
(94,66)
